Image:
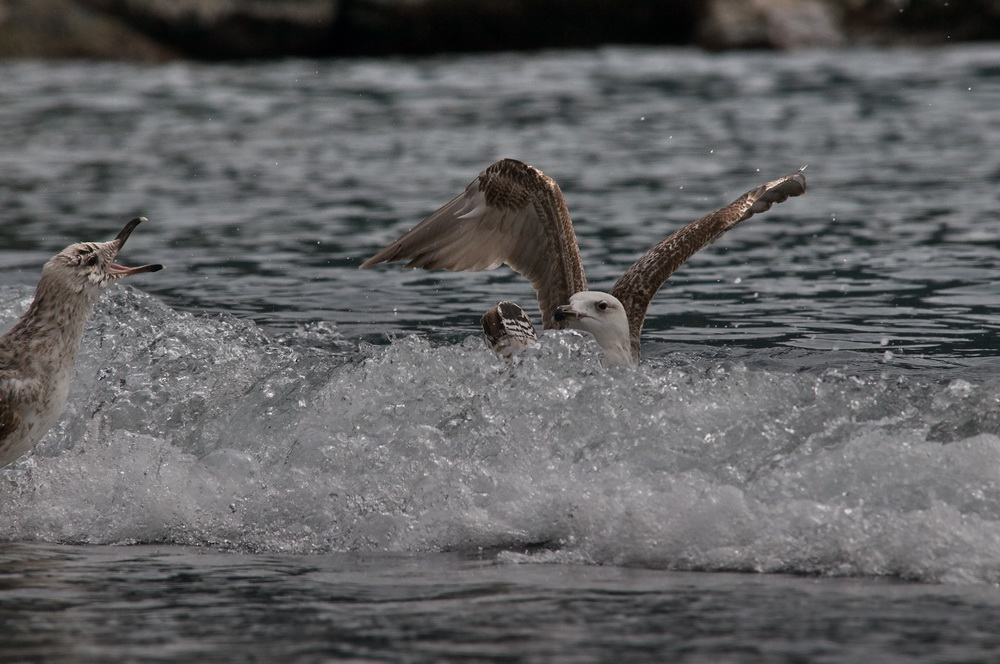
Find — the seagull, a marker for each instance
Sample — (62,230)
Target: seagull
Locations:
(38,354)
(514,213)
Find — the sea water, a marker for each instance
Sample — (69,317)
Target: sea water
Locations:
(269,454)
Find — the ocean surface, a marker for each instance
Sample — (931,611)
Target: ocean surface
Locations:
(269,455)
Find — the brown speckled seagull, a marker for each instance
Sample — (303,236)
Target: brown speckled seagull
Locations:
(515,214)
(38,354)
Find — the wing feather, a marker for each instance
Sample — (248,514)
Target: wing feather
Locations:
(644,278)
(508,330)
(512,213)
(10,415)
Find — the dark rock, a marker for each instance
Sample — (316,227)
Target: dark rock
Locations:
(921,21)
(781,24)
(66,29)
(222,29)
(225,29)
(433,26)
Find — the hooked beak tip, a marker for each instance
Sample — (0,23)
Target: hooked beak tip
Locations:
(125,232)
(123,235)
(565,312)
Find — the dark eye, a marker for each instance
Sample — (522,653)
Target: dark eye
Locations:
(91,259)
(602,305)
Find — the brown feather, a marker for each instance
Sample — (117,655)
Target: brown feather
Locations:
(512,213)
(508,330)
(644,278)
(515,214)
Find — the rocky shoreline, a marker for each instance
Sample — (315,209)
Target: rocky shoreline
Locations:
(161,30)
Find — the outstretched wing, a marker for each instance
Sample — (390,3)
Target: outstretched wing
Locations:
(512,213)
(644,278)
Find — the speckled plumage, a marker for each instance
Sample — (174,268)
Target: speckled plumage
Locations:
(38,354)
(515,214)
(508,330)
(512,213)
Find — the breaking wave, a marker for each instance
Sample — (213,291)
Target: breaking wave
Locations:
(206,430)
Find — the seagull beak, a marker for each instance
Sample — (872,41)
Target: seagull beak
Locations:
(567,312)
(121,270)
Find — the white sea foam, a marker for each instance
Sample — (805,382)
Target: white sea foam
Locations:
(203,430)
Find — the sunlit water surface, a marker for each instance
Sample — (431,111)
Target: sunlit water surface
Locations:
(329,460)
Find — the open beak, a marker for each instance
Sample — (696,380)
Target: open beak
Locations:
(566,312)
(122,270)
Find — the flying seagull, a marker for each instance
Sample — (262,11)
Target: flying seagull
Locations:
(38,354)
(515,214)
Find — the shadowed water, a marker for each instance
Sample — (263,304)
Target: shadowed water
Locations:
(818,394)
(174,604)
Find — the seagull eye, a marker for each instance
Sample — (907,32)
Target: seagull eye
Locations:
(91,259)
(602,305)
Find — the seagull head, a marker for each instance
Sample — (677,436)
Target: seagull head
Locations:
(603,316)
(89,267)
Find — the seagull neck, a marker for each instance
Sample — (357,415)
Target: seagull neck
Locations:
(618,354)
(51,330)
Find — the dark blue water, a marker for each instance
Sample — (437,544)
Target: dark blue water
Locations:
(262,431)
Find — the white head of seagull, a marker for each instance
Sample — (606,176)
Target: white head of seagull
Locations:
(515,214)
(603,316)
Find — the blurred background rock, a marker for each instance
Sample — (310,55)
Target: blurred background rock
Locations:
(157,30)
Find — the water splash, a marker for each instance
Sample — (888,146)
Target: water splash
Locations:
(204,430)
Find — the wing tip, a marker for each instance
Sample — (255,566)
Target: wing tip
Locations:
(387,255)
(380,257)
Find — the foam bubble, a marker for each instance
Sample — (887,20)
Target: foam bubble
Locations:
(203,430)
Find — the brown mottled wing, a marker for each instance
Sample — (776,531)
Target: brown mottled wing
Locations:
(508,330)
(644,278)
(512,213)
(10,416)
